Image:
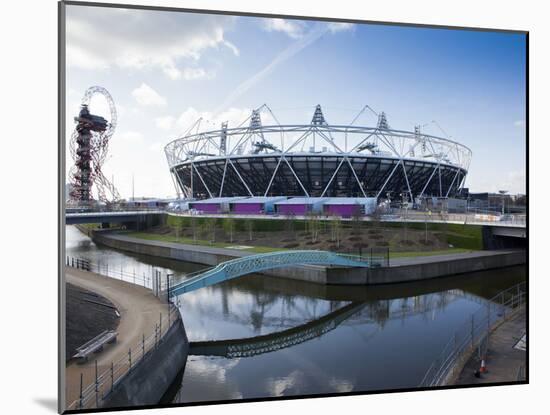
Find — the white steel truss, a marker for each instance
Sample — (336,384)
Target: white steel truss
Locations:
(230,145)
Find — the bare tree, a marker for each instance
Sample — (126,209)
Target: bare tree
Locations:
(336,229)
(194,227)
(376,217)
(249,225)
(213,225)
(229,226)
(179,230)
(289,223)
(357,218)
(313,226)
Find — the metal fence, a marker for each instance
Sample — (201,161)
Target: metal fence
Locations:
(103,383)
(473,334)
(156,281)
(400,215)
(91,394)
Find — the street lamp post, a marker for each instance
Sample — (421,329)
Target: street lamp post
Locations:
(502,196)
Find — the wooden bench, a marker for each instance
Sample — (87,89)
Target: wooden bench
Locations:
(95,345)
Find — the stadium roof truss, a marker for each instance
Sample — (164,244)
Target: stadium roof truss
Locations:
(315,159)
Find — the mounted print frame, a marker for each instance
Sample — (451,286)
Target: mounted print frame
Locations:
(259,207)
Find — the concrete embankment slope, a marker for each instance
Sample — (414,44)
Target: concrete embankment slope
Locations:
(400,270)
(139,313)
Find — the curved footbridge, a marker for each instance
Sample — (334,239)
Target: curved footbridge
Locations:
(256,263)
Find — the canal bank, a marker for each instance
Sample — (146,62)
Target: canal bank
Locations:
(389,343)
(144,361)
(506,356)
(400,270)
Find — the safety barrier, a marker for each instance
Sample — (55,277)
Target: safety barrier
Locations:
(473,334)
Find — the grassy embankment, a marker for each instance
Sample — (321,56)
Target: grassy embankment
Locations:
(443,238)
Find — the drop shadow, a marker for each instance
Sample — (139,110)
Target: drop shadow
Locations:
(48,403)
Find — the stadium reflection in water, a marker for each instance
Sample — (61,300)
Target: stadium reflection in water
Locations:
(260,337)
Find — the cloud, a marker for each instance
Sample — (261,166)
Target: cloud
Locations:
(292,28)
(147,96)
(519,123)
(130,136)
(210,120)
(340,27)
(165,123)
(314,33)
(156,147)
(102,38)
(515,182)
(188,74)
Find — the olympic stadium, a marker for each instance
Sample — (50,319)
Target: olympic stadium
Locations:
(316,159)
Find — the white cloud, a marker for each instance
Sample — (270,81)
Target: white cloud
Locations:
(340,27)
(515,182)
(101,38)
(519,123)
(280,386)
(165,123)
(130,136)
(212,121)
(147,96)
(157,147)
(312,35)
(188,74)
(292,28)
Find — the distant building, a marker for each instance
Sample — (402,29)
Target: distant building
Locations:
(300,206)
(349,206)
(145,202)
(255,205)
(214,205)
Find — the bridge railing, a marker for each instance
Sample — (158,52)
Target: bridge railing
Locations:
(257,263)
(473,334)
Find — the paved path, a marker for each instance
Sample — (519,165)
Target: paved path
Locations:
(428,259)
(187,247)
(503,359)
(139,312)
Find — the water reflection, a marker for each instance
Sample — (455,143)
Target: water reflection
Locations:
(258,336)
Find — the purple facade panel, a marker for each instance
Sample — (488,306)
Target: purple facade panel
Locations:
(207,207)
(298,209)
(340,210)
(247,208)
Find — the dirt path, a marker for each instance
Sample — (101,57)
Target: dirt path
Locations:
(139,312)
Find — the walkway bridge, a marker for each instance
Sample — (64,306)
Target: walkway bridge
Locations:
(256,263)
(116,216)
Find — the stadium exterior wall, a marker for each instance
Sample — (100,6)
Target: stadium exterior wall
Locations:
(317,176)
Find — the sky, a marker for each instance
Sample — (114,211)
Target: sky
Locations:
(164,70)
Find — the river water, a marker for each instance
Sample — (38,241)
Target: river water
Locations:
(279,337)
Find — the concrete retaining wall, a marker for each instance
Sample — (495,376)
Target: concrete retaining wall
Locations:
(332,275)
(424,271)
(147,382)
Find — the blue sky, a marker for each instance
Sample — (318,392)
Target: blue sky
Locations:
(166,69)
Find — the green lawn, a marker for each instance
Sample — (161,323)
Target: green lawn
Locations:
(182,240)
(264,249)
(428,253)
